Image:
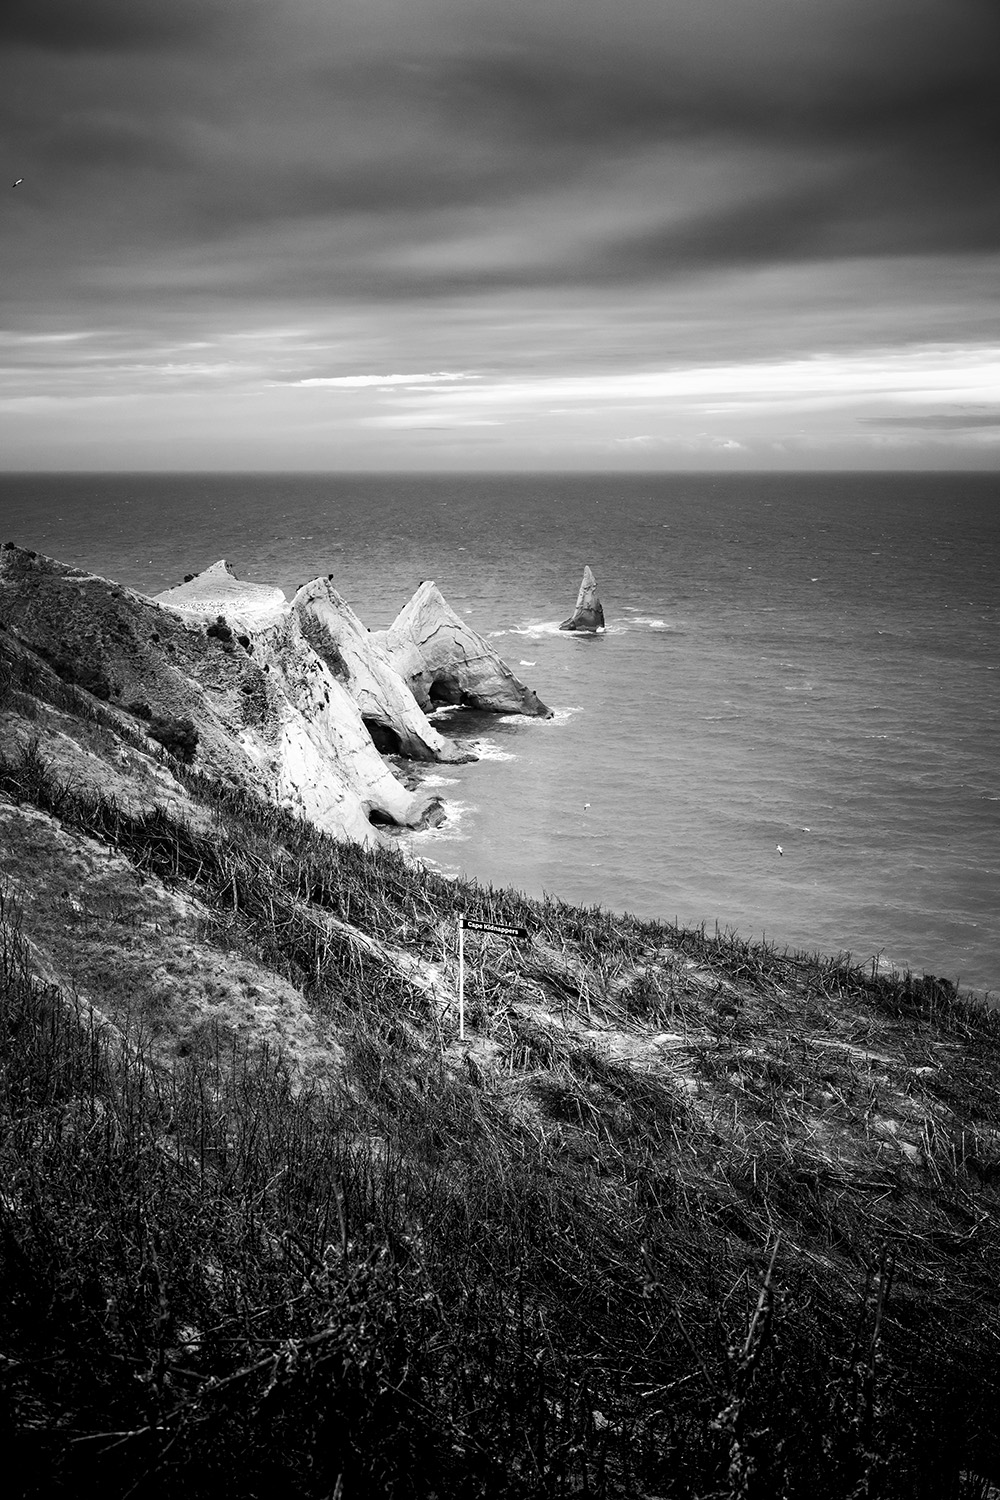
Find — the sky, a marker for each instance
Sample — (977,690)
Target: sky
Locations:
(499,234)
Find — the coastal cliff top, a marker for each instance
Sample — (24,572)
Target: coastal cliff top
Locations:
(217,591)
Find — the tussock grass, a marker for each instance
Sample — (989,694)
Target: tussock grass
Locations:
(653,1232)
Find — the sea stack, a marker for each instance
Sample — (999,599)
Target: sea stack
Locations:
(443,660)
(588,614)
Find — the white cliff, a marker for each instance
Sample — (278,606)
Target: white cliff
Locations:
(393,716)
(215,591)
(293,699)
(269,715)
(327,764)
(445,661)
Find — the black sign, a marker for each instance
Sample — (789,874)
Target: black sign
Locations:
(472,925)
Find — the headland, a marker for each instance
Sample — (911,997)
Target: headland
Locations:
(682,1214)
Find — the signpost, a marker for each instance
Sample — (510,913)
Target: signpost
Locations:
(471,924)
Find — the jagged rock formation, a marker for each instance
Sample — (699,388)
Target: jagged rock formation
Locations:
(392,714)
(444,660)
(268,714)
(588,614)
(429,655)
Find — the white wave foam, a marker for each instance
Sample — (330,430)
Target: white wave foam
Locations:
(538,629)
(535,629)
(450,831)
(559,716)
(523,663)
(439,781)
(488,750)
(563,714)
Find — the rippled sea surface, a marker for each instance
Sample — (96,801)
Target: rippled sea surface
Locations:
(810,661)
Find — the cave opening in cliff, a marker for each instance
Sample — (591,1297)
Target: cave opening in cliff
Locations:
(445,693)
(385,739)
(380,819)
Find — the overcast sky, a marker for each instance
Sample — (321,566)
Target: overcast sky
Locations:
(500,233)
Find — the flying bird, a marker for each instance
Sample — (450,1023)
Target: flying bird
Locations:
(18,182)
(779,849)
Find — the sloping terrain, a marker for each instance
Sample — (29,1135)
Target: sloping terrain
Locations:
(681,1216)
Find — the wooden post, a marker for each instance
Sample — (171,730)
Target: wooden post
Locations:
(461,978)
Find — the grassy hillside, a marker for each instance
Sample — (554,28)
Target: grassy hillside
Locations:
(683,1215)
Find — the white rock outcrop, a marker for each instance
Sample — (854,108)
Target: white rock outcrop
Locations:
(270,715)
(295,700)
(245,607)
(326,763)
(444,660)
(392,714)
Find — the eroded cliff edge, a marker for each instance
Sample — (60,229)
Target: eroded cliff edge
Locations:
(295,700)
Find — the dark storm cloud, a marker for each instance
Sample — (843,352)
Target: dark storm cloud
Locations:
(917,83)
(429,148)
(97,139)
(895,115)
(605,101)
(106,25)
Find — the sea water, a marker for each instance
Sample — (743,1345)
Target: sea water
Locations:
(789,726)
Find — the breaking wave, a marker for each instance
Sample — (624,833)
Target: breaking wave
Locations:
(450,831)
(559,716)
(489,750)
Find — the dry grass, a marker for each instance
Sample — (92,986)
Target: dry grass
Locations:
(687,1216)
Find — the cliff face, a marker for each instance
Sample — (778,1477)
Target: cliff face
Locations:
(358,660)
(268,711)
(296,700)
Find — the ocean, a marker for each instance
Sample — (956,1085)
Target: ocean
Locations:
(789,727)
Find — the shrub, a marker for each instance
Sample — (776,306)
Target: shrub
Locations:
(177,736)
(80,674)
(220,631)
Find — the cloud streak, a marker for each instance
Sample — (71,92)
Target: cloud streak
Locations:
(384,382)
